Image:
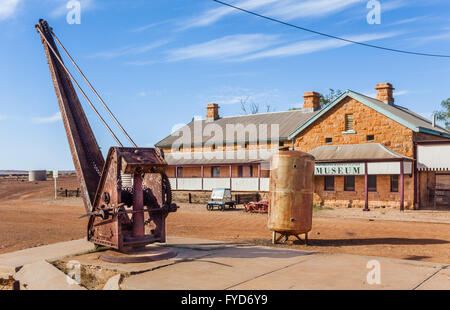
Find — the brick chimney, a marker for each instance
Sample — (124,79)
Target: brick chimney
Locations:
(212,111)
(385,92)
(311,101)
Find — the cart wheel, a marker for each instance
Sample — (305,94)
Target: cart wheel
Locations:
(208,207)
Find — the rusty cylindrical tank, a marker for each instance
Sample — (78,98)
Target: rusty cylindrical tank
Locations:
(291,192)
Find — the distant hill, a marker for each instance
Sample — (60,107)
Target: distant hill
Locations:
(14,172)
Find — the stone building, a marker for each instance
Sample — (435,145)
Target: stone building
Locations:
(365,150)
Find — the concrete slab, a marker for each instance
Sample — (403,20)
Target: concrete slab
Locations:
(220,270)
(341,271)
(439,281)
(199,244)
(9,262)
(113,283)
(92,259)
(44,276)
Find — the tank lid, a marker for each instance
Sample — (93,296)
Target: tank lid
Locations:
(294,153)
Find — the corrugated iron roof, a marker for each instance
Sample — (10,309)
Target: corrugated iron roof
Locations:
(219,157)
(291,123)
(354,152)
(406,114)
(287,122)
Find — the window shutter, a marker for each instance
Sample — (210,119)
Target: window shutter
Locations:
(348,122)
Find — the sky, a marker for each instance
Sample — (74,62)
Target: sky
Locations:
(158,63)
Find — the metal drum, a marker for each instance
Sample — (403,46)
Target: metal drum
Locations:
(291,194)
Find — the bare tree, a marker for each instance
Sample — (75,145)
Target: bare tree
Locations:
(252,107)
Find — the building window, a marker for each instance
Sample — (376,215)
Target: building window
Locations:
(246,146)
(329,182)
(281,144)
(179,172)
(370,138)
(394,183)
(348,122)
(328,140)
(349,183)
(215,171)
(372,183)
(251,171)
(240,171)
(213,147)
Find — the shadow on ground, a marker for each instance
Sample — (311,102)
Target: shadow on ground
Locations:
(373,241)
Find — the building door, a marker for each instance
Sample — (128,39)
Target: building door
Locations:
(442,191)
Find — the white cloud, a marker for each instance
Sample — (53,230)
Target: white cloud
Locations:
(408,20)
(45,120)
(306,47)
(235,95)
(3,117)
(141,62)
(401,92)
(393,5)
(130,50)
(292,9)
(225,47)
(396,93)
(149,26)
(60,7)
(284,9)
(436,37)
(8,8)
(213,15)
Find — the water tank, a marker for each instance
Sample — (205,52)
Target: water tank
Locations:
(37,175)
(291,192)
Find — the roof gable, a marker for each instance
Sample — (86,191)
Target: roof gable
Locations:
(399,114)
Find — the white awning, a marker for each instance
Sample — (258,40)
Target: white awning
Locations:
(435,157)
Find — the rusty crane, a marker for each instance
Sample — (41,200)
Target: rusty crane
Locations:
(118,215)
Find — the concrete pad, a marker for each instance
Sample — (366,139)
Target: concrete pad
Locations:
(113,283)
(44,276)
(439,281)
(199,244)
(341,271)
(220,270)
(10,262)
(92,259)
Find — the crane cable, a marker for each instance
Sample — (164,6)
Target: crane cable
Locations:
(79,87)
(94,91)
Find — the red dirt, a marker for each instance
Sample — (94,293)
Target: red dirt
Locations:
(30,217)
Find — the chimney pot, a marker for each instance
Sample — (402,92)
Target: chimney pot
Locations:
(212,111)
(311,101)
(385,92)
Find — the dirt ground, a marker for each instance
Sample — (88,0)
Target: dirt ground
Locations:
(29,216)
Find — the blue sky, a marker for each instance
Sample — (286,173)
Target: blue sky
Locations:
(158,63)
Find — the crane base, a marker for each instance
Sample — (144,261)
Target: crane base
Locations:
(146,254)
